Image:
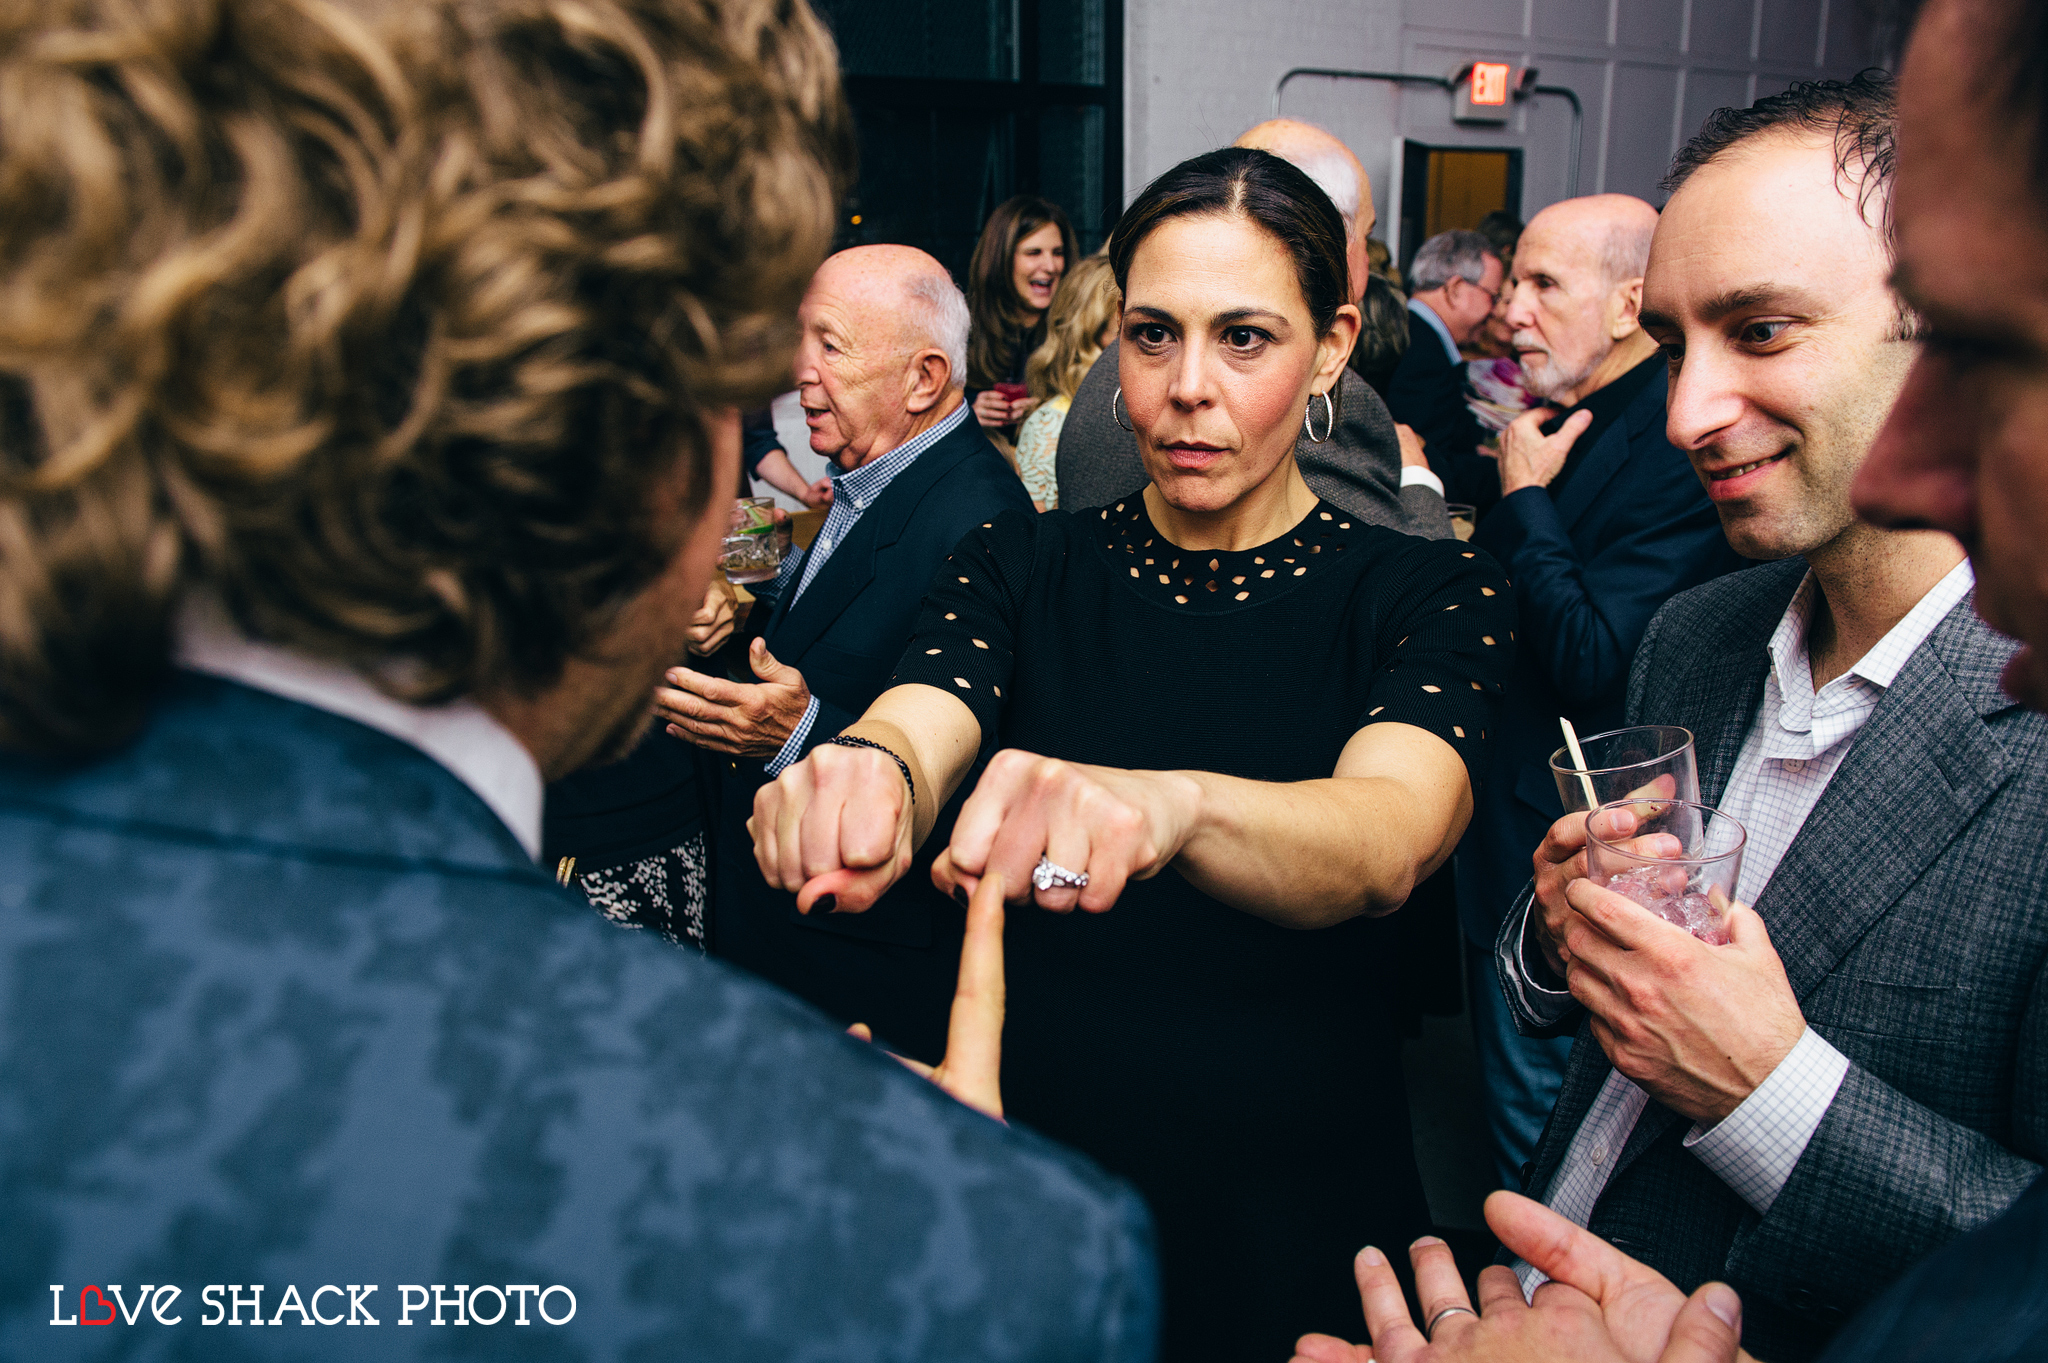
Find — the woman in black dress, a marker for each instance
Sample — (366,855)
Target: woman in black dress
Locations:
(1242,714)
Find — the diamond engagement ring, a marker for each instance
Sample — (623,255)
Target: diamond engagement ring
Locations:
(1050,875)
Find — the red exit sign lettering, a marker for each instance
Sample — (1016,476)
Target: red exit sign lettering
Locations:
(1490,83)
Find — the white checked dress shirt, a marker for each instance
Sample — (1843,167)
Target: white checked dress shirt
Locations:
(853,492)
(1795,745)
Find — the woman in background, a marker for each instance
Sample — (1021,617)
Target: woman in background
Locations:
(1382,334)
(1079,327)
(1017,265)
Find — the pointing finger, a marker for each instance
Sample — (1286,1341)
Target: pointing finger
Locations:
(974,1032)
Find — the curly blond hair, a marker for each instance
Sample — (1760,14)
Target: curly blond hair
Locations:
(1086,301)
(379,321)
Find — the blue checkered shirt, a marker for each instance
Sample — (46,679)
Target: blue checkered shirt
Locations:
(853,493)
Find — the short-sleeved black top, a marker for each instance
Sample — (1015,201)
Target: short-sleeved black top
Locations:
(1245,1076)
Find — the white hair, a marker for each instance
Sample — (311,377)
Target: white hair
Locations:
(935,316)
(1337,176)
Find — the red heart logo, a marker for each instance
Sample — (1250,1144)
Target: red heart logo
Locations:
(83,1318)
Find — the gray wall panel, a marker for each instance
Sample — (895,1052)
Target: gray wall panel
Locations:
(1649,26)
(1198,72)
(1583,21)
(1706,91)
(1642,123)
(1791,32)
(1722,28)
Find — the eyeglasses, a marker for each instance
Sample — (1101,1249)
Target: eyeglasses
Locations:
(1493,299)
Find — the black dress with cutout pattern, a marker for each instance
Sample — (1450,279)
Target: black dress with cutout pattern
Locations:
(1245,1076)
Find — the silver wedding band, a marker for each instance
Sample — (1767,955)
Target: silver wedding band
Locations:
(1050,875)
(1429,1330)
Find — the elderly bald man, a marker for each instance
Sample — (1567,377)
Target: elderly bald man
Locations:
(1601,520)
(880,371)
(1364,466)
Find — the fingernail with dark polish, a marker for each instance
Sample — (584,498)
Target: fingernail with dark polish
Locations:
(825,903)
(960,895)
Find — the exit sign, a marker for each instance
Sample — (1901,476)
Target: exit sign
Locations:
(1490,83)
(1483,92)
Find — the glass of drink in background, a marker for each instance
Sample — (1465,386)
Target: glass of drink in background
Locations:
(1679,859)
(751,551)
(1464,519)
(1649,762)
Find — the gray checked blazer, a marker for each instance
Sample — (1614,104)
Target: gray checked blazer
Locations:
(1911,918)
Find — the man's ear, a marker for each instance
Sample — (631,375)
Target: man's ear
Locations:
(1628,309)
(926,380)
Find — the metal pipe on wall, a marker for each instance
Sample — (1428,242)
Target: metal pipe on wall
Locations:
(1571,179)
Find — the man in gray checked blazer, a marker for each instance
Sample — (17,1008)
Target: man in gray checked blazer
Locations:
(1848,1084)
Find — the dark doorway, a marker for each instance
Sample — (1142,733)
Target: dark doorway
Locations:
(1446,188)
(959,104)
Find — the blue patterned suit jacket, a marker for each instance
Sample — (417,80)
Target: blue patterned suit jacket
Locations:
(282,1002)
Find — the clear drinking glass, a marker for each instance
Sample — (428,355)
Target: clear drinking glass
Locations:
(1679,859)
(1464,519)
(751,550)
(1649,762)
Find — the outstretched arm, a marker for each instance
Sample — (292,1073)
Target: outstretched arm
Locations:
(841,825)
(1302,854)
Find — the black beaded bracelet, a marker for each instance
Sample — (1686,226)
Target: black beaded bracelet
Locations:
(849,741)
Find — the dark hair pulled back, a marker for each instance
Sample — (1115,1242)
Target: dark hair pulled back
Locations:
(1270,192)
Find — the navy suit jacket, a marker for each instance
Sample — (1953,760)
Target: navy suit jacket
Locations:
(895,966)
(282,1002)
(1427,394)
(1983,1299)
(1631,529)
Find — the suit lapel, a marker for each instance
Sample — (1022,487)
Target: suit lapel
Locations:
(851,567)
(1732,683)
(845,576)
(1608,457)
(1917,774)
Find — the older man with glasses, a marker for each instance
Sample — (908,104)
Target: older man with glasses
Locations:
(1455,279)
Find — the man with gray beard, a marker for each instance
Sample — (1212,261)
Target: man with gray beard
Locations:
(1601,520)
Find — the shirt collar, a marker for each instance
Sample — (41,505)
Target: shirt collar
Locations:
(1436,324)
(461,735)
(862,485)
(1880,666)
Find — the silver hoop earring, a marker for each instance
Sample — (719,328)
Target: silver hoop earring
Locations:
(1114,399)
(1308,422)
